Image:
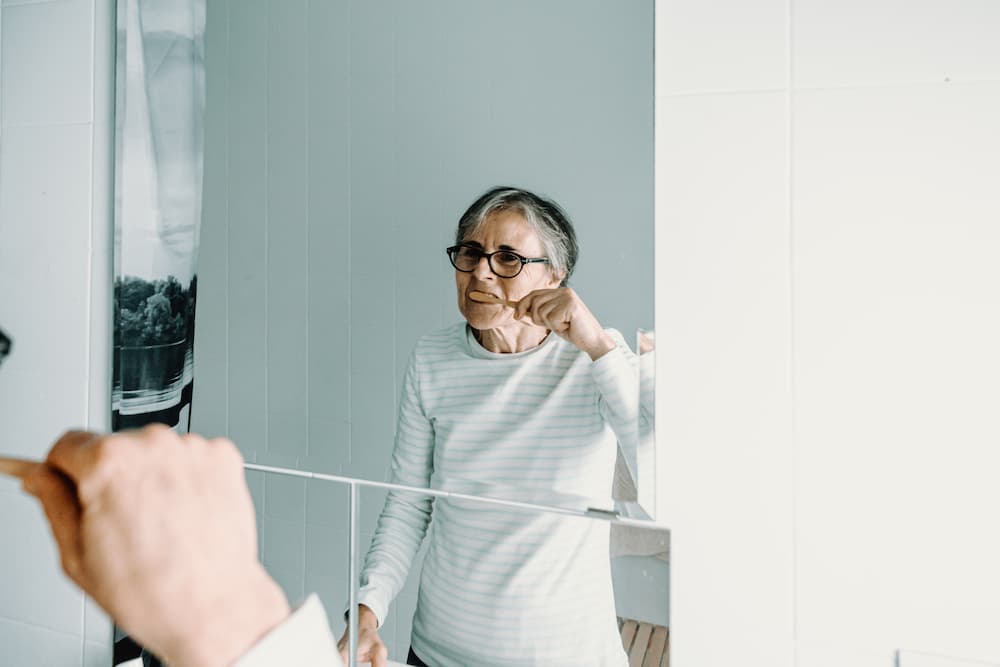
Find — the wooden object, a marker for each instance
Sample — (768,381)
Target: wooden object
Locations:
(486,297)
(647,645)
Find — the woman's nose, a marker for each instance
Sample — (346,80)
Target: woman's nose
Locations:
(483,269)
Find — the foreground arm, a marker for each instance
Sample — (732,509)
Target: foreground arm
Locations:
(159,529)
(304,639)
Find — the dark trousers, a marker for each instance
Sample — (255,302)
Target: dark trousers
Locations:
(412,659)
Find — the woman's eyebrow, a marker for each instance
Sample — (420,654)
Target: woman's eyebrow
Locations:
(502,246)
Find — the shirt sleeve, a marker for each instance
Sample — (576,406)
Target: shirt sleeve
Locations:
(304,638)
(403,523)
(616,375)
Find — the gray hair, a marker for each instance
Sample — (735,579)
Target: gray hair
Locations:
(548,220)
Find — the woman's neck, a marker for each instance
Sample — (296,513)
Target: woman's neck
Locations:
(508,340)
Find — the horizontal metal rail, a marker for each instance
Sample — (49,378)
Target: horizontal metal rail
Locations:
(604,514)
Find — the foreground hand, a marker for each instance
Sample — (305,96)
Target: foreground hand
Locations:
(561,310)
(159,529)
(371,649)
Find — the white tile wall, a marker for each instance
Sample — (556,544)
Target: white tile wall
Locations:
(58,86)
(33,590)
(886,42)
(721,46)
(896,242)
(97,654)
(922,659)
(724,373)
(891,136)
(55,263)
(26,644)
(45,172)
(96,624)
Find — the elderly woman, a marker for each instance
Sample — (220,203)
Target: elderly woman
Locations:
(529,391)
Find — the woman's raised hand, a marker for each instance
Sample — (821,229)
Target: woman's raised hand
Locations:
(563,311)
(371,649)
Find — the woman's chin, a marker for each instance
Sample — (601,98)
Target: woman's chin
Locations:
(480,320)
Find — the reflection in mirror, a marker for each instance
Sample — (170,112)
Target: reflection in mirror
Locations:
(517,567)
(343,142)
(463,581)
(529,391)
(643,487)
(305,551)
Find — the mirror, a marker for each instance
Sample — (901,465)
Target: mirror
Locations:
(545,599)
(343,142)
(494,585)
(521,595)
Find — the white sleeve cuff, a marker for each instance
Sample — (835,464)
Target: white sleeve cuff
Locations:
(304,638)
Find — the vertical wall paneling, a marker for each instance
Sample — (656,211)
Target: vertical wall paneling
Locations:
(421,59)
(344,139)
(329,234)
(287,223)
(404,128)
(247,73)
(211,405)
(373,230)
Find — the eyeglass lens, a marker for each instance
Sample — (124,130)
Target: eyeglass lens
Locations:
(503,263)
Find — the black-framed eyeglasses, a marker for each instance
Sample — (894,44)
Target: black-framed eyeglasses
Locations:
(504,263)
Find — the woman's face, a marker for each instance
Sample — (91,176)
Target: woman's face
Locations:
(502,230)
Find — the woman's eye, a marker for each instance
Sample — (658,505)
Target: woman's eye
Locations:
(508,258)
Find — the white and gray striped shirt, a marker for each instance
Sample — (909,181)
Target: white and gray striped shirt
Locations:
(503,587)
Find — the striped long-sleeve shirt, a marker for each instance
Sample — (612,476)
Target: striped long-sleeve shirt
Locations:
(503,587)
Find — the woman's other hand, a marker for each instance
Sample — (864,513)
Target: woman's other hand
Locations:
(563,311)
(371,649)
